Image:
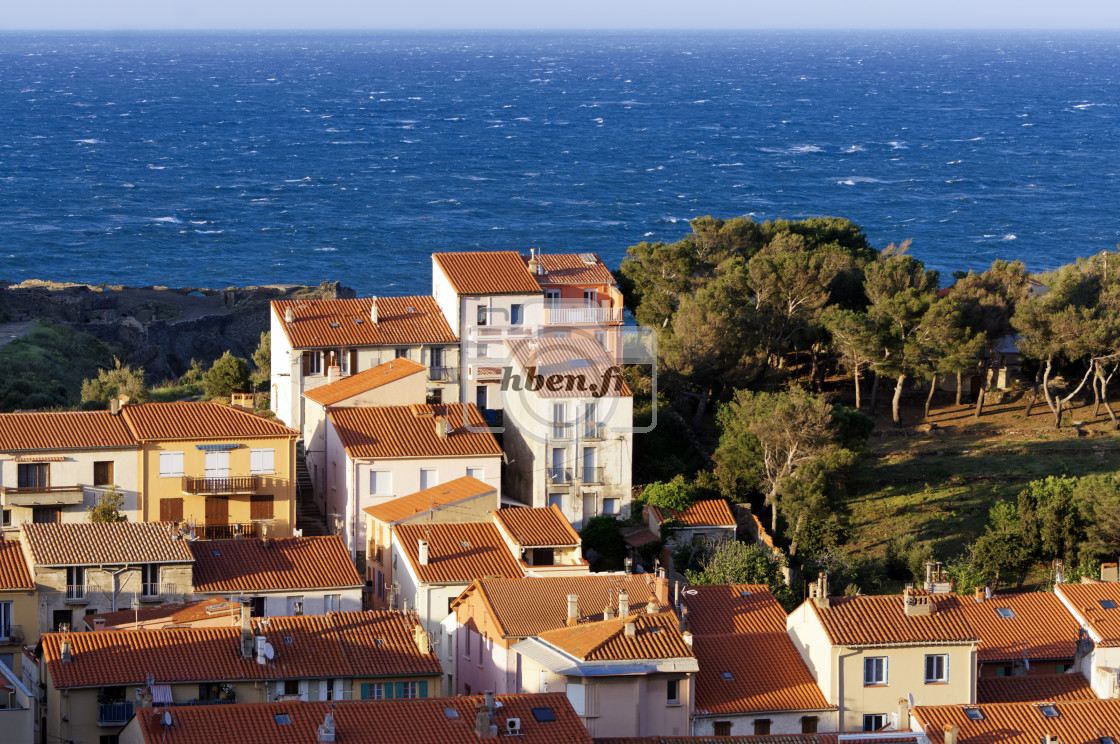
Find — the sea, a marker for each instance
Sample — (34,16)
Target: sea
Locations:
(231,159)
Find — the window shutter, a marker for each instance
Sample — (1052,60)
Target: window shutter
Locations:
(388,688)
(171,510)
(400,689)
(365,691)
(306,363)
(353,361)
(423,688)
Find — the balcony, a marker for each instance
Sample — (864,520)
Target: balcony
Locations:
(443,374)
(565,314)
(157,592)
(42,495)
(78,593)
(559,476)
(12,634)
(591,474)
(114,714)
(225,531)
(594,430)
(561,430)
(226,485)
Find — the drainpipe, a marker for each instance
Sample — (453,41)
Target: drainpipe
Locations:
(116,583)
(356,499)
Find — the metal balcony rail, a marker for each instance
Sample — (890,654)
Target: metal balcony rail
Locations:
(443,374)
(229,484)
(11,633)
(77,593)
(225,531)
(559,475)
(591,474)
(114,714)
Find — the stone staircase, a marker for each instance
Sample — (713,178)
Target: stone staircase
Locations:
(308,518)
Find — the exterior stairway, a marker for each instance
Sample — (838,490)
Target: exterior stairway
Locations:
(308,518)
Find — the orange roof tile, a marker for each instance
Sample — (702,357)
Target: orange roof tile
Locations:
(577,362)
(14,573)
(214,611)
(223,566)
(421,721)
(1041,627)
(371,379)
(457,553)
(732,626)
(63,430)
(430,499)
(487,272)
(706,513)
(335,323)
(103,543)
(881,621)
(410,431)
(339,644)
(1098,606)
(543,527)
(522,608)
(656,636)
(1033,688)
(1077,722)
(198,420)
(570,268)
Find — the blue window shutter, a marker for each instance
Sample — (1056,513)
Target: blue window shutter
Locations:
(388,687)
(400,689)
(423,688)
(365,691)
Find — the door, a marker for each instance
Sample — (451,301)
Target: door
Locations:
(217,510)
(480,397)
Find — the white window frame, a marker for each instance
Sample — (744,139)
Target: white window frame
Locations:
(262,461)
(410,690)
(374,479)
(5,620)
(171,464)
(431,480)
(216,464)
(478,473)
(672,692)
(315,363)
(875,676)
(332,603)
(944,671)
(872,718)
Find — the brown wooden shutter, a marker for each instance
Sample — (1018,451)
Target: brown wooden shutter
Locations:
(171,510)
(260,506)
(353,361)
(306,363)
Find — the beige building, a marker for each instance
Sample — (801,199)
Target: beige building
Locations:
(868,652)
(543,541)
(19,606)
(88,568)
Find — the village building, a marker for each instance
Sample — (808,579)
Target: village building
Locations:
(315,342)
(19,605)
(91,679)
(543,541)
(55,465)
(1051,722)
(867,652)
(286,576)
(1021,633)
(707,521)
(1096,608)
(751,679)
(379,454)
(1033,688)
(215,612)
(81,569)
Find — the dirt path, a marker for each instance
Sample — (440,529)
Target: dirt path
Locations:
(12,331)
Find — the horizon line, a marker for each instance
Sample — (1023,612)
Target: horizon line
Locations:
(533,29)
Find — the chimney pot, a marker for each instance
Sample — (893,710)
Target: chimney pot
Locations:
(65,649)
(573,609)
(630,629)
(423,549)
(289,316)
(979,594)
(951,734)
(373,311)
(623,604)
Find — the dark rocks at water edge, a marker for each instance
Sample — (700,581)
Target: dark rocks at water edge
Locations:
(159,328)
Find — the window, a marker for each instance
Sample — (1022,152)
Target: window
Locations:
(409,689)
(721,728)
(1005,671)
(295,605)
(937,668)
(552,299)
(601,339)
(109,739)
(480,397)
(1108,604)
(217,464)
(974,714)
(479,473)
(672,692)
(577,697)
(482,351)
(874,722)
(170,464)
(46,514)
(33,475)
(260,506)
(262,461)
(610,506)
(1006,613)
(332,602)
(150,579)
(401,352)
(5,621)
(590,472)
(75,582)
(557,500)
(282,719)
(1061,668)
(516,315)
(809,724)
(1050,711)
(380,483)
(874,671)
(483,315)
(171,510)
(7,517)
(589,297)
(60,620)
(291,687)
(429,478)
(762,727)
(103,473)
(312,362)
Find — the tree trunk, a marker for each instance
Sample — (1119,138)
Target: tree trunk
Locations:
(983,389)
(1068,398)
(894,402)
(813,370)
(773,499)
(1032,396)
(874,394)
(932,387)
(1046,384)
(701,408)
(958,388)
(856,375)
(796,532)
(1098,379)
(1104,398)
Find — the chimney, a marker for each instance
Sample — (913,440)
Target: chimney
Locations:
(819,591)
(441,427)
(423,550)
(421,637)
(651,606)
(915,604)
(661,587)
(608,613)
(573,609)
(685,623)
(929,573)
(1109,572)
(146,697)
(289,316)
(373,311)
(264,535)
(630,629)
(623,604)
(260,643)
(246,630)
(65,648)
(334,373)
(950,734)
(903,723)
(979,596)
(482,726)
(114,406)
(326,729)
(534,263)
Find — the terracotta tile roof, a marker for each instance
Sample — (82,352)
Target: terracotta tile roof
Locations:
(579,360)
(347,323)
(1088,602)
(371,379)
(198,420)
(457,553)
(523,608)
(63,430)
(1041,628)
(410,431)
(434,498)
(223,566)
(1077,722)
(212,611)
(656,636)
(339,644)
(423,721)
(111,544)
(570,268)
(881,621)
(732,625)
(543,527)
(487,272)
(14,573)
(706,513)
(1033,688)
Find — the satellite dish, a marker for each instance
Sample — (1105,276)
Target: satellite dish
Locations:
(910,698)
(269,651)
(690,592)
(166,718)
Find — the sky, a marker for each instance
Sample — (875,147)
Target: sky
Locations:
(557,14)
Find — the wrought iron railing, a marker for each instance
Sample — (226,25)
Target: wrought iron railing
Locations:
(229,484)
(114,714)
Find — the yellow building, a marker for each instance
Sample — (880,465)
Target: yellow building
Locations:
(223,471)
(19,608)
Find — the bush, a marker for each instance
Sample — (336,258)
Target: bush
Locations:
(734,562)
(676,495)
(603,535)
(228,374)
(110,383)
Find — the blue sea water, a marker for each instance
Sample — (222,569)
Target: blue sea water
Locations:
(229,159)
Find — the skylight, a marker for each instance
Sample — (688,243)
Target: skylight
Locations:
(728,676)
(1107,740)
(451,713)
(544,714)
(215,552)
(744,593)
(1050,711)
(974,714)
(1108,604)
(287,639)
(282,718)
(1006,612)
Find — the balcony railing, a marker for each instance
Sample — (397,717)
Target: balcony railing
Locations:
(114,714)
(155,592)
(561,430)
(581,315)
(559,475)
(41,495)
(594,430)
(11,634)
(225,531)
(591,474)
(77,593)
(443,374)
(229,484)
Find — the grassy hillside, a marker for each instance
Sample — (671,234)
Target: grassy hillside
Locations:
(45,368)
